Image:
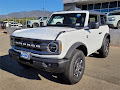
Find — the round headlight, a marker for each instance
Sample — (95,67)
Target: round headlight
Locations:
(52,47)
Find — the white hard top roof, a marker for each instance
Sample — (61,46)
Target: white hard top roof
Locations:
(82,11)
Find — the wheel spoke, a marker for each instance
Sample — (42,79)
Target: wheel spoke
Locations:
(107,47)
(78,67)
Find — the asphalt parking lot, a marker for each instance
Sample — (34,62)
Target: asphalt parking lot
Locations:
(115,37)
(100,74)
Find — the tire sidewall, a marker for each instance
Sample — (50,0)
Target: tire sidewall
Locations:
(76,55)
(103,53)
(118,25)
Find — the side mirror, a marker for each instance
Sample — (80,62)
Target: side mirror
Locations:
(86,28)
(93,25)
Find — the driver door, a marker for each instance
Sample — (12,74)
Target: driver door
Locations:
(93,35)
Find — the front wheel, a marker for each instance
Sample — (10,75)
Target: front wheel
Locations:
(75,69)
(105,48)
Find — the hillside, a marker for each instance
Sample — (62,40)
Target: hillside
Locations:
(24,14)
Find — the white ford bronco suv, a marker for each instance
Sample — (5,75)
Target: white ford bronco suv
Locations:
(61,47)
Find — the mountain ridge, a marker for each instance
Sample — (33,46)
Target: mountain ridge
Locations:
(26,14)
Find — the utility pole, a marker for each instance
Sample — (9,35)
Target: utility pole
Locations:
(43,8)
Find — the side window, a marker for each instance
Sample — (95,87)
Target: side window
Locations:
(93,18)
(103,19)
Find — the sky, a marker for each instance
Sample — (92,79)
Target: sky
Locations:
(9,6)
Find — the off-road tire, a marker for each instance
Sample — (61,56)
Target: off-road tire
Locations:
(105,48)
(75,68)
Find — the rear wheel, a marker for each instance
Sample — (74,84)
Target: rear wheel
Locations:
(105,48)
(75,69)
(118,25)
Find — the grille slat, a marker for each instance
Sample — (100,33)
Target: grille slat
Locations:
(27,44)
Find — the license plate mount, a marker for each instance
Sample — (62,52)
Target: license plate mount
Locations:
(25,55)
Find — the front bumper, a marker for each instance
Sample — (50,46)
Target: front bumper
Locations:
(112,24)
(50,65)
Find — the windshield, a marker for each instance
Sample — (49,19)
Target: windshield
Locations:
(44,18)
(69,20)
(38,18)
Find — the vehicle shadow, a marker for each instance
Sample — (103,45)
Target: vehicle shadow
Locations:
(95,55)
(11,66)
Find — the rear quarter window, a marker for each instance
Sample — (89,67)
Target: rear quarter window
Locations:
(103,19)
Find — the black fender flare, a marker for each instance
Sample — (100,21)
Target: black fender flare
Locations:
(73,47)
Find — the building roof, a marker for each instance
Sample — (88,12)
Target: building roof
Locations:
(86,1)
(69,1)
(94,1)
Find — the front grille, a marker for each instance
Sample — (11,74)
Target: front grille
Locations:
(28,43)
(35,46)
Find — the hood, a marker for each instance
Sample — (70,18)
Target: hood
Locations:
(44,33)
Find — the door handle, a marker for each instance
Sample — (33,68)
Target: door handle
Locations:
(100,32)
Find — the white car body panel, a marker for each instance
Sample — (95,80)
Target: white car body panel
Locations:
(81,36)
(44,33)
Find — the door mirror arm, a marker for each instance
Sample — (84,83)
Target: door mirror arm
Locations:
(86,28)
